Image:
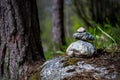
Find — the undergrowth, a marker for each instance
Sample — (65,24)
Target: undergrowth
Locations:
(106,37)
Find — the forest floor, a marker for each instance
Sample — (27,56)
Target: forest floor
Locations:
(105,59)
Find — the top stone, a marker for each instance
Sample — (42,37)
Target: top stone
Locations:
(81,29)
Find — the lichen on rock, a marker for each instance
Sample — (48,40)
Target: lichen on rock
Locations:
(54,70)
(61,69)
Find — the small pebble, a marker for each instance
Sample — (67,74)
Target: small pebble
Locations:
(81,29)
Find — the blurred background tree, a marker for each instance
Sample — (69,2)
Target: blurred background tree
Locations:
(58,24)
(97,10)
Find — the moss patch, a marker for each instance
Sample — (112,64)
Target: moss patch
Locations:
(35,76)
(69,61)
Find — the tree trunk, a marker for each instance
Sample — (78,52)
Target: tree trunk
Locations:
(58,24)
(20,44)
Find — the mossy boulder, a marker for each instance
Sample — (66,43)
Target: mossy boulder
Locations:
(67,68)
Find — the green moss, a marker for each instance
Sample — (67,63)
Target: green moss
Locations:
(35,76)
(70,61)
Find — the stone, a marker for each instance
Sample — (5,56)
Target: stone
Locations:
(81,29)
(80,48)
(85,36)
(55,69)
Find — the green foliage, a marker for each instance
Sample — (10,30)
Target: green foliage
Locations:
(48,54)
(106,36)
(59,52)
(35,76)
(0,78)
(46,31)
(76,22)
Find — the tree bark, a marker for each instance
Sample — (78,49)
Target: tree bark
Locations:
(20,43)
(58,24)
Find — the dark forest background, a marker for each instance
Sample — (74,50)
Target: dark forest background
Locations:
(99,17)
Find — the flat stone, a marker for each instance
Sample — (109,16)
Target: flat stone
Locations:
(85,36)
(81,29)
(80,48)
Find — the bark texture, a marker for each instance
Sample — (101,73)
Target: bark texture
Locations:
(58,24)
(20,44)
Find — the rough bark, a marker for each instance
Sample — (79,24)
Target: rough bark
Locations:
(58,24)
(20,44)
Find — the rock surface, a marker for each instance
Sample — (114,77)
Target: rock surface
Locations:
(81,29)
(80,48)
(54,70)
(85,36)
(65,68)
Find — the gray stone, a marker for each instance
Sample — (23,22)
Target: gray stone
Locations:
(80,48)
(81,29)
(85,36)
(55,70)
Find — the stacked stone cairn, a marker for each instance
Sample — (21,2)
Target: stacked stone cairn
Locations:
(82,47)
